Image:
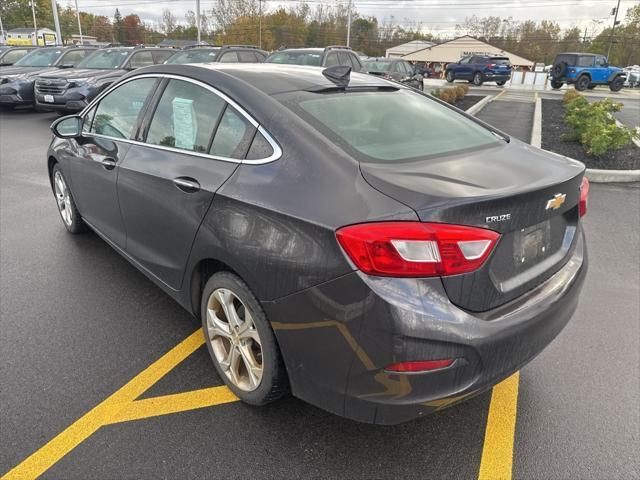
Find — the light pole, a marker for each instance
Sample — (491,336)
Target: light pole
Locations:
(79,25)
(197,19)
(613,29)
(56,21)
(349,25)
(260,24)
(35,25)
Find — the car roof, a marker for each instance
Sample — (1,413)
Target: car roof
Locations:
(269,78)
(302,50)
(578,53)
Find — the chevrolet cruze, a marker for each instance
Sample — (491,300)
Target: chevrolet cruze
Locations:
(370,249)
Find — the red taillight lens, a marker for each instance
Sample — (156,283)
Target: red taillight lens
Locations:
(415,249)
(584,196)
(491,65)
(423,366)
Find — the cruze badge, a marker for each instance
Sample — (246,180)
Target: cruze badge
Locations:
(498,218)
(556,202)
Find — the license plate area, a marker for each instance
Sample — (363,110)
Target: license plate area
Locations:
(531,244)
(49,98)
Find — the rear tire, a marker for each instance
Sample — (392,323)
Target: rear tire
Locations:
(501,83)
(449,76)
(582,83)
(71,218)
(556,85)
(478,79)
(240,341)
(616,84)
(591,87)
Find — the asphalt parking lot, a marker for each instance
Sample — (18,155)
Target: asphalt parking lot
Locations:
(78,323)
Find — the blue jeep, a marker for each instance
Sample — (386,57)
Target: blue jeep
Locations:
(479,69)
(585,71)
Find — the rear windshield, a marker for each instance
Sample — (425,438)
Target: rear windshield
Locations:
(41,57)
(389,127)
(108,59)
(194,56)
(376,66)
(500,60)
(296,58)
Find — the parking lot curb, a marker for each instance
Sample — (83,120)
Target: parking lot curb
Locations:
(594,175)
(480,105)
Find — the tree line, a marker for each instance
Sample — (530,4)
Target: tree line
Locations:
(242,22)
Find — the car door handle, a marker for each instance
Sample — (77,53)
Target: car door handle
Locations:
(187,184)
(108,163)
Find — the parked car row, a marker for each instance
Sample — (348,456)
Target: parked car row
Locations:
(67,79)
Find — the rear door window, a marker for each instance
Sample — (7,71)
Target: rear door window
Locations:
(229,57)
(185,117)
(585,61)
(332,60)
(141,59)
(159,56)
(117,114)
(260,148)
(233,136)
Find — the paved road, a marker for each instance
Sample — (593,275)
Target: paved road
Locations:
(511,112)
(77,322)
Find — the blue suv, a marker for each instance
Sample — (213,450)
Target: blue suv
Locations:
(479,69)
(585,71)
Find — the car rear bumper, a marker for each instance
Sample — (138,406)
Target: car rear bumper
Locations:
(497,77)
(337,339)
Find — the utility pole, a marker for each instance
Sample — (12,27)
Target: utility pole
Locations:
(260,24)
(349,25)
(197,19)
(56,21)
(79,25)
(613,29)
(35,25)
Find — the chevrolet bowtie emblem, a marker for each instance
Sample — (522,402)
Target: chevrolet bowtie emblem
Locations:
(557,201)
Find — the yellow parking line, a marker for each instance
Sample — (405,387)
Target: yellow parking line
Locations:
(104,413)
(497,452)
(179,402)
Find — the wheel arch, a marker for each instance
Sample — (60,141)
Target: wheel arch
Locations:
(614,75)
(51,163)
(204,269)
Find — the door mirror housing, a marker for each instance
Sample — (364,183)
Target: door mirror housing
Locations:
(67,127)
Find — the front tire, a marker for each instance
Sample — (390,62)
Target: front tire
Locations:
(501,83)
(478,79)
(240,341)
(616,84)
(71,218)
(582,83)
(449,76)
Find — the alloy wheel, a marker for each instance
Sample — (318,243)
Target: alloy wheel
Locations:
(234,339)
(63,198)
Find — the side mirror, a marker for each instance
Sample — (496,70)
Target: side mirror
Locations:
(67,127)
(66,65)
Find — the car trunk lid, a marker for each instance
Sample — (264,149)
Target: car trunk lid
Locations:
(529,196)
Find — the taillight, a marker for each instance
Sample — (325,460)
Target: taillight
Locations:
(423,366)
(584,196)
(415,249)
(491,65)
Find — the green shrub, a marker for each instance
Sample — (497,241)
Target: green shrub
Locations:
(592,125)
(570,95)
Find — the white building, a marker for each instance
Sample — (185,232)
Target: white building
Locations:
(407,48)
(449,52)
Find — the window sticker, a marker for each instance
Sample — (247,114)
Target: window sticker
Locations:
(185,125)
